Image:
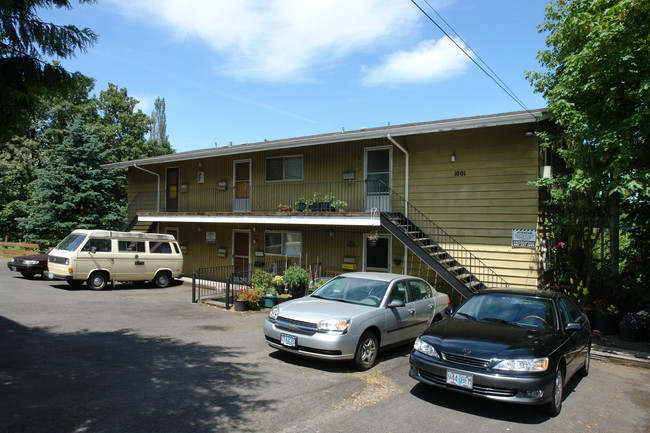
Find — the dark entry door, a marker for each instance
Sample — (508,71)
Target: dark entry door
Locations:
(171,202)
(241,255)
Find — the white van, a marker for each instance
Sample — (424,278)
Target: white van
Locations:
(97,257)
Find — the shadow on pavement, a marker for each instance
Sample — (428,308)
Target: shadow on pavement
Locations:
(121,381)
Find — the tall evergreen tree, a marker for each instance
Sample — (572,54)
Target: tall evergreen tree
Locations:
(158,139)
(71,190)
(25,40)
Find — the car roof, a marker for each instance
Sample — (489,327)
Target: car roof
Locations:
(377,276)
(520,291)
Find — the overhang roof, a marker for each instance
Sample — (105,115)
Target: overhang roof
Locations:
(491,120)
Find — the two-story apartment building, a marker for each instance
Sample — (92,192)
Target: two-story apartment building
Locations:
(451,200)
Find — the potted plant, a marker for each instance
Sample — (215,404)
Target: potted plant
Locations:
(296,280)
(373,238)
(283,208)
(270,297)
(604,317)
(339,205)
(283,297)
(301,204)
(252,296)
(628,328)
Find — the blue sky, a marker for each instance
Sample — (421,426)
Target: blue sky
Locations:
(243,71)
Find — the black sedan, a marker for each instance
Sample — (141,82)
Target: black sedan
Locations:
(30,265)
(515,345)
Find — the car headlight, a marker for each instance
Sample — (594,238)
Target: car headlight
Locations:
(274,313)
(340,325)
(424,347)
(522,365)
(31,262)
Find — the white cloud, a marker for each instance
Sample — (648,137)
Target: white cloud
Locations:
(429,61)
(280,40)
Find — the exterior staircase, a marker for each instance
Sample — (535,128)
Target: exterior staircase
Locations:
(460,268)
(139,226)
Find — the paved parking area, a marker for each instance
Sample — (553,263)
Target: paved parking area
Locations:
(140,359)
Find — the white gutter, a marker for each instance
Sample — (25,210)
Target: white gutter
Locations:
(406,188)
(157,187)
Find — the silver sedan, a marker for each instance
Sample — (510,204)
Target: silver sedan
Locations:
(354,316)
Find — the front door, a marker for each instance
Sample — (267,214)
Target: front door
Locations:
(171,202)
(241,256)
(376,254)
(242,184)
(378,178)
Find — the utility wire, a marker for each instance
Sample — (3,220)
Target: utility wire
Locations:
(491,74)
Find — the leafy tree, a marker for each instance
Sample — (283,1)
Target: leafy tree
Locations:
(71,190)
(597,85)
(158,139)
(24,74)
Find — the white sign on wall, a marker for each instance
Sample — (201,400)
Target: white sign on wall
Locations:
(524,238)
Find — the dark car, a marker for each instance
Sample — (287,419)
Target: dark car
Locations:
(29,266)
(515,345)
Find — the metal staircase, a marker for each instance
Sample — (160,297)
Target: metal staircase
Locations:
(465,272)
(139,226)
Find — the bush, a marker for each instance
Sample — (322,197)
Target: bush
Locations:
(296,278)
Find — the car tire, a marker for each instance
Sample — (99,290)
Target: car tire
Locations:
(75,283)
(162,279)
(366,353)
(97,280)
(27,275)
(554,407)
(584,370)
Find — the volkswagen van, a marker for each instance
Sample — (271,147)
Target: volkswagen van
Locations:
(100,257)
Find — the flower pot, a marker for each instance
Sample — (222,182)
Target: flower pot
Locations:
(240,305)
(627,332)
(604,322)
(269,301)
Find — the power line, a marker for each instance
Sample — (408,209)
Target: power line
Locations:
(491,74)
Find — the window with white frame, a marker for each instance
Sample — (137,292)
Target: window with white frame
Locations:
(283,243)
(284,168)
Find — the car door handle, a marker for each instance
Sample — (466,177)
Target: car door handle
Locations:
(432,306)
(411,311)
(139,262)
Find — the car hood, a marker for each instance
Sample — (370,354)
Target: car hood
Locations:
(310,309)
(39,257)
(488,340)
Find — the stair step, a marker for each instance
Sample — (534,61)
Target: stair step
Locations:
(473,284)
(447,261)
(463,276)
(455,268)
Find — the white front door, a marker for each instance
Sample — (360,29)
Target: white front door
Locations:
(378,178)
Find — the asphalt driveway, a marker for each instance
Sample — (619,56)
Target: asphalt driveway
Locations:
(140,359)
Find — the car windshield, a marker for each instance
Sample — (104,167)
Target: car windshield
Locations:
(71,242)
(354,290)
(510,310)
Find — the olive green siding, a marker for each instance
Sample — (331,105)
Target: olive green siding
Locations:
(478,199)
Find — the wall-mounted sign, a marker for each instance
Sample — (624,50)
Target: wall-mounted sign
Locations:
(211,237)
(524,238)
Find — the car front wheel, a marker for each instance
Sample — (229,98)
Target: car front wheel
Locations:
(97,281)
(554,406)
(366,353)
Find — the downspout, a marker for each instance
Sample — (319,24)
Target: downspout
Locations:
(406,188)
(157,187)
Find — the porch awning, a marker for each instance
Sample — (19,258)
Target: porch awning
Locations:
(343,220)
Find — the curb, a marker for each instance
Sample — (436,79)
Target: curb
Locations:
(637,359)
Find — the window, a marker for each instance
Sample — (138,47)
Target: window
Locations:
(283,243)
(420,290)
(99,245)
(130,246)
(284,168)
(160,247)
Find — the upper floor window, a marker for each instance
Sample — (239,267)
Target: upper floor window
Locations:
(284,168)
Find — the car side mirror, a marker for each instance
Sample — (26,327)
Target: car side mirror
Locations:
(396,303)
(449,311)
(93,250)
(573,326)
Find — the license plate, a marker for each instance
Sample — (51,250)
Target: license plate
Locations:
(50,275)
(288,340)
(457,379)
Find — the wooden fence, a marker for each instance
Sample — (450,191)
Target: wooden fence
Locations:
(13,249)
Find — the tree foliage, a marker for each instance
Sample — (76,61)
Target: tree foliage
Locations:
(25,40)
(158,138)
(71,190)
(597,84)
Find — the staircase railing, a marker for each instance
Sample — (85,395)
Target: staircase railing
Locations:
(455,263)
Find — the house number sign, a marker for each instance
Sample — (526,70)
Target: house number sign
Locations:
(460,173)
